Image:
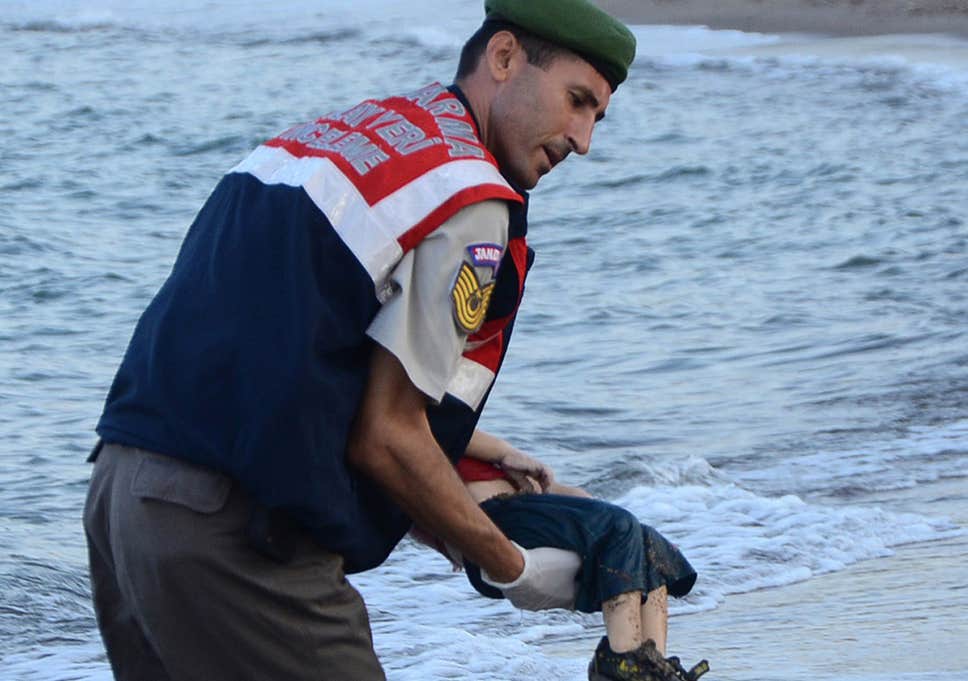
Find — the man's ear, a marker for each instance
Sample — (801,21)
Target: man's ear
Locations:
(500,55)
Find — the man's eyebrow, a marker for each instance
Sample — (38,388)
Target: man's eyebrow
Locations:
(589,98)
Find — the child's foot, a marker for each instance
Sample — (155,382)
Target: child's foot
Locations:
(607,665)
(649,652)
(692,674)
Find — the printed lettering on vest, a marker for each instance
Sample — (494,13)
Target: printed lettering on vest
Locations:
(430,126)
(387,173)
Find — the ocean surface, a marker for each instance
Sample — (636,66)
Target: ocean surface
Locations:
(747,321)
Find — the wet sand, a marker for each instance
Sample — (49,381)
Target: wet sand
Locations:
(899,618)
(892,619)
(827,17)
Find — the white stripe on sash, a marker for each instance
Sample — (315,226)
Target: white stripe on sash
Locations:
(470,382)
(370,232)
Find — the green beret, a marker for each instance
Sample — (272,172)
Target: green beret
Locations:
(600,39)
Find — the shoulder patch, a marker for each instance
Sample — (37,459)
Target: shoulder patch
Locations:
(486,255)
(470,299)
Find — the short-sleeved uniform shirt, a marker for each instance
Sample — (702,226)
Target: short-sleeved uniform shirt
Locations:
(418,323)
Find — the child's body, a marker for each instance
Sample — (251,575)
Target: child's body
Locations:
(613,563)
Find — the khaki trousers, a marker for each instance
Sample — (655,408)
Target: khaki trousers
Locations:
(180,595)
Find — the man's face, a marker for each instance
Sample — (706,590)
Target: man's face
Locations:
(540,115)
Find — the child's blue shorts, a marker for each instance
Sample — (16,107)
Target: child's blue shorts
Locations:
(618,553)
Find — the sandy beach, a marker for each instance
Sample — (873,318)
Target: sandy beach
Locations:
(830,17)
(899,618)
(896,618)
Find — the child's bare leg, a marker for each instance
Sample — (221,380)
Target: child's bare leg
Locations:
(623,621)
(655,618)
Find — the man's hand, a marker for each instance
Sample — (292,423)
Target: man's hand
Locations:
(548,579)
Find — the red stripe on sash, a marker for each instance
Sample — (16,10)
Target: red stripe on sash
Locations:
(450,207)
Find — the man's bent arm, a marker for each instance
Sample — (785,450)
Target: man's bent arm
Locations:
(392,443)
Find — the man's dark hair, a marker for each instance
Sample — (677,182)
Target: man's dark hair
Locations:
(538,51)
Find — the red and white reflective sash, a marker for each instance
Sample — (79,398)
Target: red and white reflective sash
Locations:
(385,173)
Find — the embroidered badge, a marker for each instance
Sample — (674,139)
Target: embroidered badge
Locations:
(470,299)
(486,255)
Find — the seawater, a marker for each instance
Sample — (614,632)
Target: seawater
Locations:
(746,321)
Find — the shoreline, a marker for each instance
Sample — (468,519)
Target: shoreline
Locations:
(824,17)
(895,618)
(888,619)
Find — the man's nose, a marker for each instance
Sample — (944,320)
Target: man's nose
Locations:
(580,134)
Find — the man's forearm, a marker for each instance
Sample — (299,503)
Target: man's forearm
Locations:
(425,485)
(392,443)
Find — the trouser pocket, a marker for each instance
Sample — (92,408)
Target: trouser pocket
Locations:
(164,478)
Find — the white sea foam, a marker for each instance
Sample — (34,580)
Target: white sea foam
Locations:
(738,540)
(941,60)
(428,623)
(433,38)
(655,41)
(741,542)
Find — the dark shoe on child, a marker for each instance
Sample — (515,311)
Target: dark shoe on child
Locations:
(607,665)
(670,666)
(693,673)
